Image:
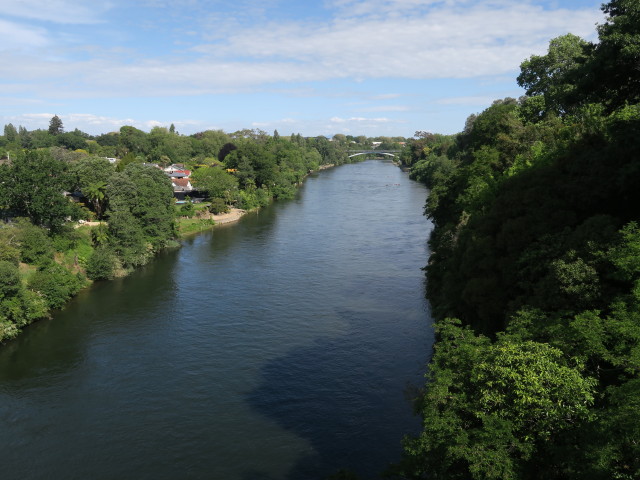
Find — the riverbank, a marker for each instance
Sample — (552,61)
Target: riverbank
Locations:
(204,220)
(233,215)
(291,306)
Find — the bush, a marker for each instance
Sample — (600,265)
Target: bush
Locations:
(101,264)
(253,198)
(187,210)
(10,282)
(9,251)
(56,284)
(66,238)
(36,246)
(8,330)
(218,206)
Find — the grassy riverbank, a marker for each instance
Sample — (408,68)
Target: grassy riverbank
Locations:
(203,220)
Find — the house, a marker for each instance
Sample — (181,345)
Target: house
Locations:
(177,168)
(181,187)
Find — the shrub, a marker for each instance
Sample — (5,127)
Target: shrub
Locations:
(35,245)
(218,206)
(187,210)
(101,264)
(56,284)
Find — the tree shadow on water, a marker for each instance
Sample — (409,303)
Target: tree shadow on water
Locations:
(346,398)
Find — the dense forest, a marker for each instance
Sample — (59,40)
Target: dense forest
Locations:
(534,275)
(51,181)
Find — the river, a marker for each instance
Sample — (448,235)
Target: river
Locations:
(285,346)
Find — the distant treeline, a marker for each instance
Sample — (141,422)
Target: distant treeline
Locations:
(49,180)
(534,275)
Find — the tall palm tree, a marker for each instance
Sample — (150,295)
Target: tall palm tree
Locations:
(96,194)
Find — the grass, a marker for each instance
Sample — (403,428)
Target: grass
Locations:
(188,226)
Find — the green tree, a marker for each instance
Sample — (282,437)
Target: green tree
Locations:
(90,176)
(9,244)
(35,186)
(491,408)
(36,246)
(218,206)
(56,284)
(101,264)
(55,126)
(216,182)
(133,140)
(75,140)
(140,213)
(18,306)
(96,193)
(10,282)
(10,133)
(38,139)
(555,75)
(613,75)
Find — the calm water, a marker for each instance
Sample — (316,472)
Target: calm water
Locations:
(282,347)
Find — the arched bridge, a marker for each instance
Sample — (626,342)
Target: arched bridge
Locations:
(388,153)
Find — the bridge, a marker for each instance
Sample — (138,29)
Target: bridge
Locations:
(388,153)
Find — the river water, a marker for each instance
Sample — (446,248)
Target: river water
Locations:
(285,346)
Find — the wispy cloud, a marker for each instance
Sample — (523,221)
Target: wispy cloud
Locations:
(56,11)
(23,35)
(346,58)
(442,41)
(96,123)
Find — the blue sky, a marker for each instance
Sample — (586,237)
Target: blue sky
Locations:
(359,67)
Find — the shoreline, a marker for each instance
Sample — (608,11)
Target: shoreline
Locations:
(232,216)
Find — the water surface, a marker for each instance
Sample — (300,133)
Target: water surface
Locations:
(281,347)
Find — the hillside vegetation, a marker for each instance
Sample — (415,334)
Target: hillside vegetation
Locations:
(534,276)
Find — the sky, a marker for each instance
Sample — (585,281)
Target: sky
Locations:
(315,67)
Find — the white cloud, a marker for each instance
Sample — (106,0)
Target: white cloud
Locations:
(20,35)
(444,42)
(381,39)
(57,11)
(96,124)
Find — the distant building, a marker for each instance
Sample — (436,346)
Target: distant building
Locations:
(181,187)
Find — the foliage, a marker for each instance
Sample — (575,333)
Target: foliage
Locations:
(101,264)
(140,213)
(187,210)
(34,186)
(56,284)
(535,249)
(55,126)
(35,245)
(218,206)
(216,182)
(491,406)
(554,75)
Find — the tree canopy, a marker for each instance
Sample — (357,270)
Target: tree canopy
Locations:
(534,277)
